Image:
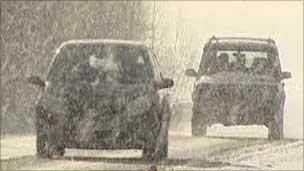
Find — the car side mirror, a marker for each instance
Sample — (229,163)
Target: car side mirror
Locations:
(167,83)
(164,83)
(285,75)
(191,73)
(36,80)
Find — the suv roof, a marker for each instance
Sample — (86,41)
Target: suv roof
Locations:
(241,42)
(242,39)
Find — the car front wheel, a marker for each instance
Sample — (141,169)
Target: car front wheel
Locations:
(157,149)
(47,137)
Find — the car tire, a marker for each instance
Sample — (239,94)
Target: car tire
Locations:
(158,150)
(152,154)
(44,147)
(41,144)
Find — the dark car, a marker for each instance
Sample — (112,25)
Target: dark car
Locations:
(102,94)
(239,82)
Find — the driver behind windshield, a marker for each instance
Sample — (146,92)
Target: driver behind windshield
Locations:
(223,62)
(111,65)
(100,68)
(239,62)
(259,65)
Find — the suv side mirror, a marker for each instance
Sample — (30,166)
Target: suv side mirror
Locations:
(285,75)
(191,73)
(36,80)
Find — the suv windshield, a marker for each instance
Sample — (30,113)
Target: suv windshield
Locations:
(101,63)
(242,61)
(256,62)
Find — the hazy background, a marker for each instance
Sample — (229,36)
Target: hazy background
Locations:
(177,31)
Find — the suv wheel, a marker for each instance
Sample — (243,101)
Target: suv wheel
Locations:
(276,126)
(201,131)
(198,126)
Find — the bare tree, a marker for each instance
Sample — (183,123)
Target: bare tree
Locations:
(175,50)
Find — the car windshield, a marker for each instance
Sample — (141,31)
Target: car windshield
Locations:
(258,62)
(102,63)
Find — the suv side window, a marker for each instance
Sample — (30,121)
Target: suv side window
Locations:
(207,61)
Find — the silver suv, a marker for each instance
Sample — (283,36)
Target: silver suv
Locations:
(239,82)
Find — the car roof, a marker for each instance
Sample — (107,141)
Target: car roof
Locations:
(102,41)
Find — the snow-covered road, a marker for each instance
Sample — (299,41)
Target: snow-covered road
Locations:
(185,152)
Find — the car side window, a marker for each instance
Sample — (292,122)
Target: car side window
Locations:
(207,62)
(59,66)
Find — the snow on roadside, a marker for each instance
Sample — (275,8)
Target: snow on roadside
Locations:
(17,146)
(276,155)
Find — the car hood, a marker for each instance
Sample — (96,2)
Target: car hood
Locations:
(236,78)
(126,100)
(118,90)
(115,106)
